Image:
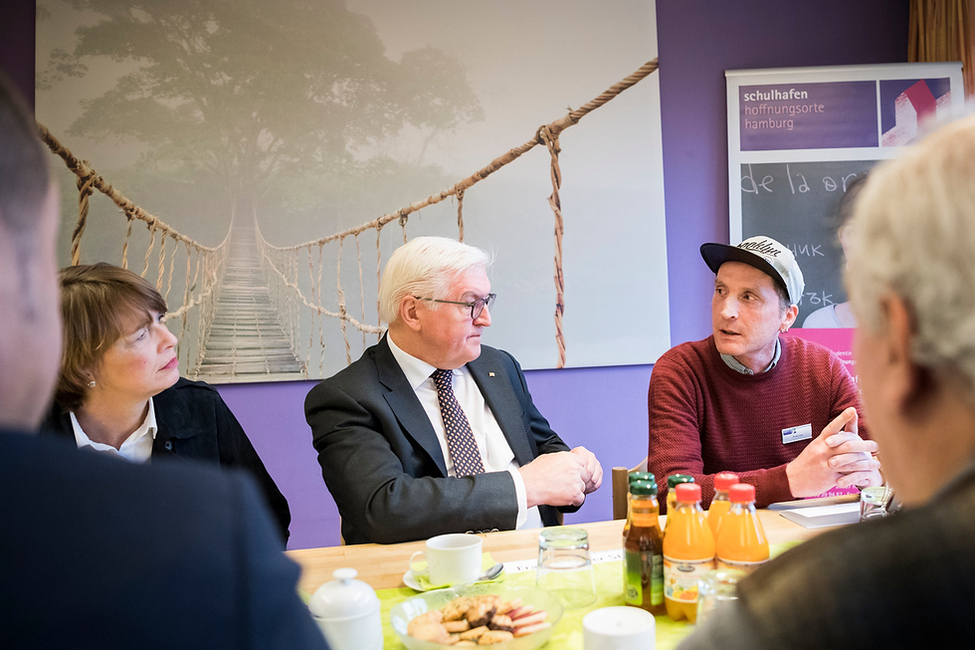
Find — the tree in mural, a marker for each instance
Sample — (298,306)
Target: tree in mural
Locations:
(258,99)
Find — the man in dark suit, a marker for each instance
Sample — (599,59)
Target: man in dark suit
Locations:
(430,432)
(99,553)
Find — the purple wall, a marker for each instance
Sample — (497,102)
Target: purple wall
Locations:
(698,40)
(603,409)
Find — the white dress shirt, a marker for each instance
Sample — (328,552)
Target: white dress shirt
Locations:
(495,451)
(136,448)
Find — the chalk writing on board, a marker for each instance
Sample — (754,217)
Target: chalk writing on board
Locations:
(798,183)
(807,250)
(796,203)
(817,299)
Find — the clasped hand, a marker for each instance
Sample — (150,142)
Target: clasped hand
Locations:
(838,457)
(563,478)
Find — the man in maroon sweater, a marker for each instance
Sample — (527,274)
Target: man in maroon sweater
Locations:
(780,412)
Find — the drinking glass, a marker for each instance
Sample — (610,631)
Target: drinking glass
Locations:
(565,566)
(873,502)
(715,589)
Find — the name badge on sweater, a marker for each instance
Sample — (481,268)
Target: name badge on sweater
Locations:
(795,434)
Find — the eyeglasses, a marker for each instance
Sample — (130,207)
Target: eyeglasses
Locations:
(477,307)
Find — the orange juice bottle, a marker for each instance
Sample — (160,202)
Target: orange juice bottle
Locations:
(741,542)
(688,552)
(721,501)
(643,573)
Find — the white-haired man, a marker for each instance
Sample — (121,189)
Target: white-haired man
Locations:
(778,411)
(907,581)
(431,432)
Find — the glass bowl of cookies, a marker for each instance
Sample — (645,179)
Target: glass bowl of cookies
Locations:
(502,617)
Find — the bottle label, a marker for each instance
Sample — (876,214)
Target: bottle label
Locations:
(657,580)
(724,563)
(681,577)
(644,579)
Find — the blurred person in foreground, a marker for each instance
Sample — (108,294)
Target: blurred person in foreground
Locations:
(119,391)
(779,411)
(906,581)
(431,432)
(98,553)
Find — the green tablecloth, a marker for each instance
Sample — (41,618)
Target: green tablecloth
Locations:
(568,632)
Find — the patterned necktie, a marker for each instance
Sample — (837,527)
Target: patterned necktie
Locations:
(460,439)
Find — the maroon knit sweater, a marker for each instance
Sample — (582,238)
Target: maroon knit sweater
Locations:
(706,418)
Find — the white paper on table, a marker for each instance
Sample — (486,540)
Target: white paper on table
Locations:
(822,516)
(595,556)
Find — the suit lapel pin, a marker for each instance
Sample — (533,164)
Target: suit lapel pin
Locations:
(490,374)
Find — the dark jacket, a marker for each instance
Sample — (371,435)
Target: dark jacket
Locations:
(194,422)
(98,553)
(383,464)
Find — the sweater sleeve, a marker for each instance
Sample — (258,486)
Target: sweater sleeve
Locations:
(676,405)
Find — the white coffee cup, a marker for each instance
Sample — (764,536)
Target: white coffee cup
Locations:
(619,628)
(452,559)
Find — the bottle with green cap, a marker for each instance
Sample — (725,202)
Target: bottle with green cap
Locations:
(672,482)
(643,578)
(633,477)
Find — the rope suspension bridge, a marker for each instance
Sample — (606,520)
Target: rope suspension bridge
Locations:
(244,301)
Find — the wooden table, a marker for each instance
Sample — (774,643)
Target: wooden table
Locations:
(382,565)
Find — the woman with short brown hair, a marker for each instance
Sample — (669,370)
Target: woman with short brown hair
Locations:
(120,393)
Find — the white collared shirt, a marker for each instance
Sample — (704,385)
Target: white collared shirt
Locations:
(136,448)
(495,451)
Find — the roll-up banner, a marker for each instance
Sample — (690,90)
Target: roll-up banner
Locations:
(799,137)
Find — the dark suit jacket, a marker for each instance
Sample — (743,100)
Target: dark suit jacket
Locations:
(382,462)
(194,422)
(101,553)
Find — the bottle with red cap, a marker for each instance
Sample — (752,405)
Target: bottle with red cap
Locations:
(688,552)
(741,541)
(721,502)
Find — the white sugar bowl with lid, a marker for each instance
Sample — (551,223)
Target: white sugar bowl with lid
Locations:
(347,611)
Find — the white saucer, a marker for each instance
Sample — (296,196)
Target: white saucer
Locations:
(410,580)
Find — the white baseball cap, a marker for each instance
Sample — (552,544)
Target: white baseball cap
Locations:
(766,255)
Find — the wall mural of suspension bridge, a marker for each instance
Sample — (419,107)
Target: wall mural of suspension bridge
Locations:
(201,171)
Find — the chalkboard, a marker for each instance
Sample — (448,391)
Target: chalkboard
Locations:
(796,203)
